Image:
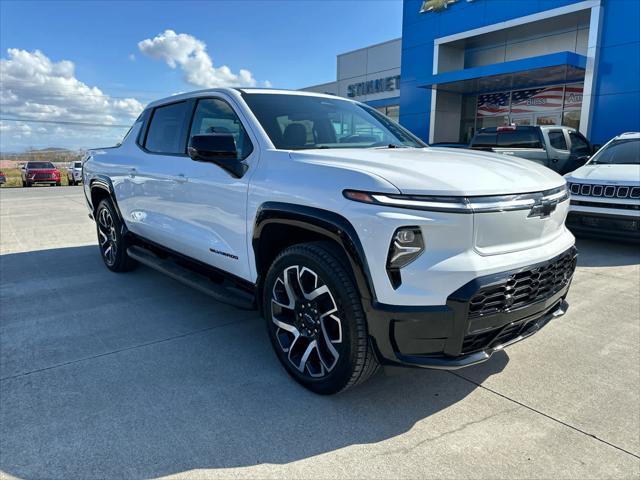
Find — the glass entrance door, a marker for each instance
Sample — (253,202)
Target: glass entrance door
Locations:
(522,119)
(548,119)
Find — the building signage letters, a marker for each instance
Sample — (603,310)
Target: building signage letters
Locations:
(386,84)
(437,5)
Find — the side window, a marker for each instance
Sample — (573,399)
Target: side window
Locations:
(519,139)
(213,115)
(557,140)
(166,131)
(578,144)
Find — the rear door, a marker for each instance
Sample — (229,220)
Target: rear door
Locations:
(151,189)
(557,143)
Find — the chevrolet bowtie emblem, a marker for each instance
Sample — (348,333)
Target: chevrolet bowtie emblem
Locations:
(543,209)
(436,5)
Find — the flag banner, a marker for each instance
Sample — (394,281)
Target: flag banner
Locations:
(573,96)
(537,100)
(493,104)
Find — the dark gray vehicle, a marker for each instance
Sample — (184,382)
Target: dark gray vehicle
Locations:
(562,149)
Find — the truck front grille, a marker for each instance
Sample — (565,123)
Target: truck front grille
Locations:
(524,288)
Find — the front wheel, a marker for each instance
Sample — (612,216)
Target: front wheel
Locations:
(315,319)
(112,243)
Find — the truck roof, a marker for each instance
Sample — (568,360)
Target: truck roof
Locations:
(235,91)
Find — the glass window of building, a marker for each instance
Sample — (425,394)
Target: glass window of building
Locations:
(391,111)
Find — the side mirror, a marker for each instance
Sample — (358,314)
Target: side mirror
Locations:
(595,148)
(218,148)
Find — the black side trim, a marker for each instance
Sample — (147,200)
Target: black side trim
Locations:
(104,183)
(329,224)
(192,263)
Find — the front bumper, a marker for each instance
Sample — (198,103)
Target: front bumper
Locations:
(482,317)
(602,224)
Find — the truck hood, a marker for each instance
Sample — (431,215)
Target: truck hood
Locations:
(611,174)
(441,171)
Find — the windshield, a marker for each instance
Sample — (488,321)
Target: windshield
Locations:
(619,152)
(298,122)
(77,165)
(40,165)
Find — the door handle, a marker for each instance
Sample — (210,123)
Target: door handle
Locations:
(180,178)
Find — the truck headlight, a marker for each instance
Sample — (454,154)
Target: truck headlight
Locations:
(406,245)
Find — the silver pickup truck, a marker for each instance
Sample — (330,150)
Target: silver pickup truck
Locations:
(562,149)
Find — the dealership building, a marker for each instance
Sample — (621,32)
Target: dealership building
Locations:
(466,64)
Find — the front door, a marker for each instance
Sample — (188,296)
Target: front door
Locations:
(213,202)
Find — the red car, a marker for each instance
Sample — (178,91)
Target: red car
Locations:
(40,173)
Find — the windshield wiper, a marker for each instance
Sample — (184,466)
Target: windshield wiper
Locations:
(390,145)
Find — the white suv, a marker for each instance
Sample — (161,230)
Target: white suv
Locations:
(74,173)
(605,193)
(358,243)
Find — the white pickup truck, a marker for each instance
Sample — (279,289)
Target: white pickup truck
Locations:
(359,244)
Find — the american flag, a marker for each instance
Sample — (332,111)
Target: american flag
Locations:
(573,96)
(537,100)
(493,104)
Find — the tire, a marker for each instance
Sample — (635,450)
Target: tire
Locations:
(111,242)
(58,184)
(315,319)
(71,183)
(29,184)
(24,184)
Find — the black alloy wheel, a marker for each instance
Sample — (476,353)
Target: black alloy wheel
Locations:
(315,319)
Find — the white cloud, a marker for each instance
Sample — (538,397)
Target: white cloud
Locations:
(36,88)
(190,54)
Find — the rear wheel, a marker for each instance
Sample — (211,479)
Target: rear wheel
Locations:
(315,319)
(71,182)
(112,243)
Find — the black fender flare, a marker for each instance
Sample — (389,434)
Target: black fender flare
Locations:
(103,182)
(324,222)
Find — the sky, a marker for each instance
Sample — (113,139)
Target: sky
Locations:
(69,64)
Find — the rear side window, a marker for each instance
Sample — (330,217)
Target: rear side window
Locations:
(557,140)
(166,130)
(486,140)
(528,138)
(578,144)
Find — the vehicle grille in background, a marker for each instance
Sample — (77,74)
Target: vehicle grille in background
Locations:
(42,176)
(606,191)
(524,288)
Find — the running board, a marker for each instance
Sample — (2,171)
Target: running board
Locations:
(225,292)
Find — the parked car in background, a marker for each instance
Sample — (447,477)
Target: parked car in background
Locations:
(74,173)
(360,246)
(605,193)
(3,178)
(40,173)
(562,149)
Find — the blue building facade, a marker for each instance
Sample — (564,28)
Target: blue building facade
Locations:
(467,64)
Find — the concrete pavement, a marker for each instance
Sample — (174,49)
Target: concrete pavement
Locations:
(107,375)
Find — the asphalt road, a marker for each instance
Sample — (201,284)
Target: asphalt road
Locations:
(132,375)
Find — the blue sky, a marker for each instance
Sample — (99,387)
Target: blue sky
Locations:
(288,44)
